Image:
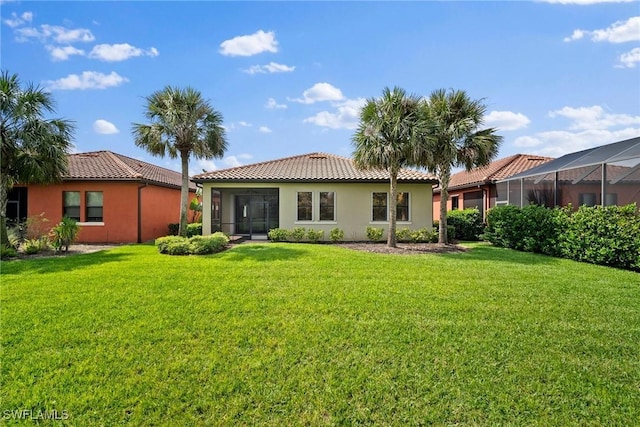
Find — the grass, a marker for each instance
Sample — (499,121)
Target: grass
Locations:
(299,334)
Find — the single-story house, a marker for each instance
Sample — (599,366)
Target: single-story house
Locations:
(606,175)
(477,187)
(318,191)
(114,198)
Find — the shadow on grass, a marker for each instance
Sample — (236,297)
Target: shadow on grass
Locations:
(261,252)
(486,252)
(56,264)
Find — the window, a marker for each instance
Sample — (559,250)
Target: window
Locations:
(454,203)
(305,209)
(327,206)
(379,207)
(93,200)
(71,204)
(402,207)
(588,199)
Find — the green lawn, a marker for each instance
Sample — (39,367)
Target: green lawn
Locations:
(300,334)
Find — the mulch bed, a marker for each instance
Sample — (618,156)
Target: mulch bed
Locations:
(405,248)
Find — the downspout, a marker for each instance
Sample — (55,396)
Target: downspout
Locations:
(145,183)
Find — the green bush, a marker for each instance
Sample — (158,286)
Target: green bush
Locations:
(451,231)
(467,223)
(374,234)
(278,234)
(500,230)
(64,234)
(404,235)
(196,245)
(33,246)
(538,229)
(606,236)
(174,228)
(423,235)
(194,229)
(315,235)
(336,235)
(297,234)
(7,252)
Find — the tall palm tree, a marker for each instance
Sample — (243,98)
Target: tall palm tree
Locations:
(34,148)
(454,138)
(182,124)
(385,139)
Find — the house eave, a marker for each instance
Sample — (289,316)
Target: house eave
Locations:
(310,181)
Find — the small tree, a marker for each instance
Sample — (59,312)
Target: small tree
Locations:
(64,234)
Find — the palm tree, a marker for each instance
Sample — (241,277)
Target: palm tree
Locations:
(385,139)
(34,149)
(453,138)
(182,124)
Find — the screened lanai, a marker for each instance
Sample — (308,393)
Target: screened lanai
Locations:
(605,175)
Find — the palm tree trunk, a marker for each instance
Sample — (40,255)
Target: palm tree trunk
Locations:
(184,193)
(393,201)
(444,198)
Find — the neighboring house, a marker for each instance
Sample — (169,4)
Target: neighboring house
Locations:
(114,198)
(319,191)
(605,175)
(477,188)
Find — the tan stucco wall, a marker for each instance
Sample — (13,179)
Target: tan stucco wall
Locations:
(353,206)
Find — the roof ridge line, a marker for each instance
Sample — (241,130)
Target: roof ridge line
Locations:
(125,166)
(510,160)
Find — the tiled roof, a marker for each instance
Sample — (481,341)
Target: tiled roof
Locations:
(308,167)
(499,169)
(109,166)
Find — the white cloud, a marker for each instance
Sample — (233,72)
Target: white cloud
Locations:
(236,125)
(629,59)
(346,115)
(16,21)
(585,118)
(506,120)
(264,129)
(559,143)
(86,80)
(271,67)
(62,53)
(618,32)
(320,92)
(56,33)
(119,52)
(250,45)
(104,127)
(204,165)
(272,104)
(231,162)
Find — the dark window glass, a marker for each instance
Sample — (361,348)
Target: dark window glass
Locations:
(402,207)
(379,207)
(71,204)
(327,206)
(454,203)
(93,200)
(305,210)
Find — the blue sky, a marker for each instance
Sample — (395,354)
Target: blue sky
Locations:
(289,77)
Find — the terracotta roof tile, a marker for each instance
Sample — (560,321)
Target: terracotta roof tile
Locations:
(109,166)
(499,169)
(308,167)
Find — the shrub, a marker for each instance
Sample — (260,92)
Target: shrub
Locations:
(196,245)
(336,235)
(424,236)
(194,229)
(15,236)
(297,234)
(500,230)
(606,236)
(404,235)
(36,227)
(174,229)
(467,223)
(538,229)
(374,234)
(278,234)
(7,252)
(315,235)
(33,246)
(64,234)
(451,231)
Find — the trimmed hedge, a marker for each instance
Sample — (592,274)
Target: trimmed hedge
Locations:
(196,245)
(467,223)
(606,236)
